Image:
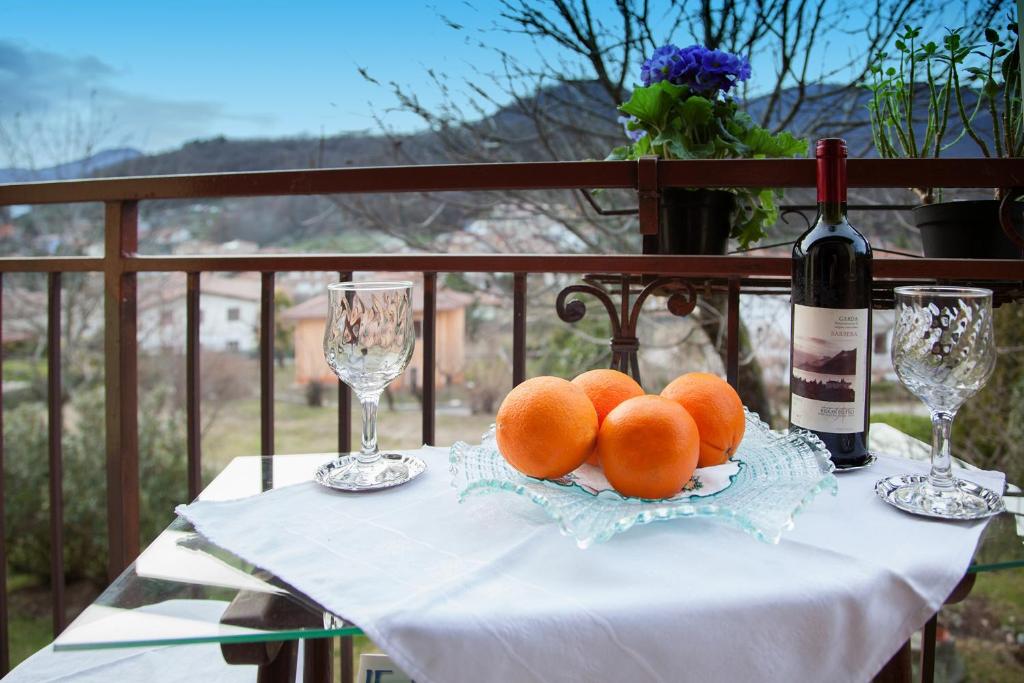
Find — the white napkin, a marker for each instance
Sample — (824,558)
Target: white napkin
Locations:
(489,590)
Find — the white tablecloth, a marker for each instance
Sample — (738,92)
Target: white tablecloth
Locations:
(489,589)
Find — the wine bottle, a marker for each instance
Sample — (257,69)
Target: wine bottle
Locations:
(830,353)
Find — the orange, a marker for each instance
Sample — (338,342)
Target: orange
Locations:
(606,389)
(648,447)
(717,410)
(546,427)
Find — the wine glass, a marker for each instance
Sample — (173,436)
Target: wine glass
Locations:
(943,350)
(368,342)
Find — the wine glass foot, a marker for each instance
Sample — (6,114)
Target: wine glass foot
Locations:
(348,474)
(915,494)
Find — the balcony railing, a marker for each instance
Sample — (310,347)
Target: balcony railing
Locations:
(121,264)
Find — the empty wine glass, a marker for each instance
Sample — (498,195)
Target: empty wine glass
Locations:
(943,350)
(368,342)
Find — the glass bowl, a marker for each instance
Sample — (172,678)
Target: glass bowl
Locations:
(772,476)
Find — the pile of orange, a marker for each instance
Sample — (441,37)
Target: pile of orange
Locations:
(648,446)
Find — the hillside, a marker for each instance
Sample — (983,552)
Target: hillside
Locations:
(82,168)
(509,134)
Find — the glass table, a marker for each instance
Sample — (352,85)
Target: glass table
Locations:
(183,590)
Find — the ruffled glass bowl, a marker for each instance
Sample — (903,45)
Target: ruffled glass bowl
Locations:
(772,476)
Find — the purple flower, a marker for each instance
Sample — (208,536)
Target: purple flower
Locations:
(633,135)
(721,71)
(659,66)
(702,70)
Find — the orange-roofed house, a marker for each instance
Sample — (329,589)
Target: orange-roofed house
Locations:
(310,319)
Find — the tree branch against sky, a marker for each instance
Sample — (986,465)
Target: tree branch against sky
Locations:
(795,46)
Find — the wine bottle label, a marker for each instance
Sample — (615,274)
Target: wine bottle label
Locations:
(828,385)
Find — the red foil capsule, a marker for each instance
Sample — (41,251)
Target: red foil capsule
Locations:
(831,154)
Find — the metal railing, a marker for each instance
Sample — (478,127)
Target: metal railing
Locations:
(121,264)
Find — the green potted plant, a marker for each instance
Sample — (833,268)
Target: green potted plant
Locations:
(950,87)
(683,111)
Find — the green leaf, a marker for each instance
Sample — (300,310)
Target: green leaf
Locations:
(763,144)
(642,147)
(697,111)
(620,153)
(679,151)
(991,36)
(651,105)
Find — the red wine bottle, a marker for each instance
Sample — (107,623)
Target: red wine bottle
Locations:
(830,353)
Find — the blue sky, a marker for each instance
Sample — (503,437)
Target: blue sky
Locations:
(171,71)
(166,72)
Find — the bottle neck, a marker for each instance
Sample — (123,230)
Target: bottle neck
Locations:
(832,212)
(832,188)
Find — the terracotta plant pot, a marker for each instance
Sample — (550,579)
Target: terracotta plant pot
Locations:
(967,229)
(695,221)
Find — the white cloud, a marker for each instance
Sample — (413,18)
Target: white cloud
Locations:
(62,105)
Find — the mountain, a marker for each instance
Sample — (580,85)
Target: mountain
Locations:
(82,168)
(843,363)
(580,113)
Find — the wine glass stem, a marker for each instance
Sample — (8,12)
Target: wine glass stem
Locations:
(369,452)
(941,475)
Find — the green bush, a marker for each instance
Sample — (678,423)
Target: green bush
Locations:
(161,474)
(989,430)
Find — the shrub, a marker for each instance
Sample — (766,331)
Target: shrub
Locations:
(161,475)
(989,429)
(314,394)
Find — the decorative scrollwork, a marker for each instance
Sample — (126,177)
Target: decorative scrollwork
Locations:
(799,212)
(682,298)
(574,310)
(681,301)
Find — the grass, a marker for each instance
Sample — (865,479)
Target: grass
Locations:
(23,369)
(302,429)
(28,634)
(917,426)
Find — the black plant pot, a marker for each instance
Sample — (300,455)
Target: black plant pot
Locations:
(695,221)
(967,229)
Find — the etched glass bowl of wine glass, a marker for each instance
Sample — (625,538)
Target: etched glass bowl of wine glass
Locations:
(943,351)
(368,342)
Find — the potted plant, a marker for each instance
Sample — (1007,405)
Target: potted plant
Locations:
(683,111)
(950,87)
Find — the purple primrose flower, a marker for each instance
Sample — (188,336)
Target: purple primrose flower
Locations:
(633,135)
(704,71)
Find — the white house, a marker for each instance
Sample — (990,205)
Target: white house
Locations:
(229,313)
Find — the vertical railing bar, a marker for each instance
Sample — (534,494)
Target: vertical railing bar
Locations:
(316,660)
(344,401)
(267,375)
(732,353)
(55,403)
(518,328)
(928,649)
(5,645)
(192,386)
(347,659)
(122,398)
(429,354)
